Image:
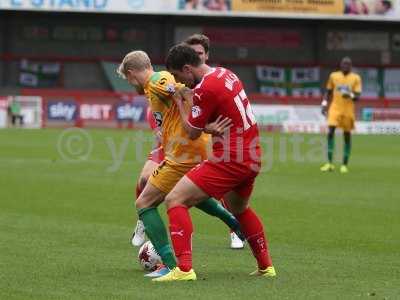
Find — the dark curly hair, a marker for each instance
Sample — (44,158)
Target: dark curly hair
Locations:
(199,39)
(180,55)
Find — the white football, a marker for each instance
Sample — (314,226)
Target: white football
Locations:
(148,257)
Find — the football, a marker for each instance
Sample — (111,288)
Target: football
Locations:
(148,257)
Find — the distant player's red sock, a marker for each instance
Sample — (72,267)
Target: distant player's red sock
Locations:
(181,230)
(252,228)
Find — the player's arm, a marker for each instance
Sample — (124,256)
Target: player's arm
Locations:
(356,90)
(327,97)
(197,122)
(181,95)
(352,95)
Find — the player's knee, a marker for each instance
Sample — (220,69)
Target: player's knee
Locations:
(169,201)
(144,202)
(237,209)
(140,203)
(173,199)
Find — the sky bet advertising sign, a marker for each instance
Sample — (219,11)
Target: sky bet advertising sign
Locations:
(131,111)
(69,110)
(61,110)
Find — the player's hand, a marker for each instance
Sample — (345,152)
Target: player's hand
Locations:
(219,126)
(183,94)
(324,110)
(348,95)
(177,97)
(186,93)
(324,107)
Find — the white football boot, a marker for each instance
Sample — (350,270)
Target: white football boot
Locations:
(138,236)
(236,242)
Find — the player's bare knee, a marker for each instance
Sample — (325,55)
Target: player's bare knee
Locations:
(236,203)
(145,201)
(173,199)
(140,203)
(236,209)
(169,200)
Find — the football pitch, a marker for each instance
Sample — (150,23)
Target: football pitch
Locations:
(67,213)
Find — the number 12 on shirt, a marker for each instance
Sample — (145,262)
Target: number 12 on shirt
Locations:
(246,113)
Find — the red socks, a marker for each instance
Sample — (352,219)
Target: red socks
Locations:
(181,230)
(252,228)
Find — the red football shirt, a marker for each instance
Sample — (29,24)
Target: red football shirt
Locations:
(221,93)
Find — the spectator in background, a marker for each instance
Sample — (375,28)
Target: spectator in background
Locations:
(385,7)
(193,4)
(356,7)
(15,112)
(220,5)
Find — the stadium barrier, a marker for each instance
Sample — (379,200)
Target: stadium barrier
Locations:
(63,108)
(105,109)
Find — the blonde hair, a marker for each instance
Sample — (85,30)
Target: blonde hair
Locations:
(135,60)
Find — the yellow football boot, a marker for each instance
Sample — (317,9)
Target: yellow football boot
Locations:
(344,169)
(268,272)
(177,275)
(328,167)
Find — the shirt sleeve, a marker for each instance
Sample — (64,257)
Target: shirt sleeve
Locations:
(329,84)
(163,85)
(357,88)
(202,109)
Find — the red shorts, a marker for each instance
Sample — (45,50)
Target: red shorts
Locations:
(217,179)
(156,155)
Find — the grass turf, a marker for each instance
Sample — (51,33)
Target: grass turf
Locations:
(65,225)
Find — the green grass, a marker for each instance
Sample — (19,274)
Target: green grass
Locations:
(65,226)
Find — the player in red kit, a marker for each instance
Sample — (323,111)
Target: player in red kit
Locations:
(233,167)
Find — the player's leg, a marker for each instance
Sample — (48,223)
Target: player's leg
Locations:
(251,227)
(154,159)
(346,151)
(215,208)
(160,182)
(330,150)
(236,241)
(138,236)
(209,179)
(146,206)
(348,126)
(183,196)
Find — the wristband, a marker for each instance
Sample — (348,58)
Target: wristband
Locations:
(352,96)
(324,102)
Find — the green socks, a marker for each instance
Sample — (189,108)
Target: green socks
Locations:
(331,147)
(156,232)
(214,208)
(346,152)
